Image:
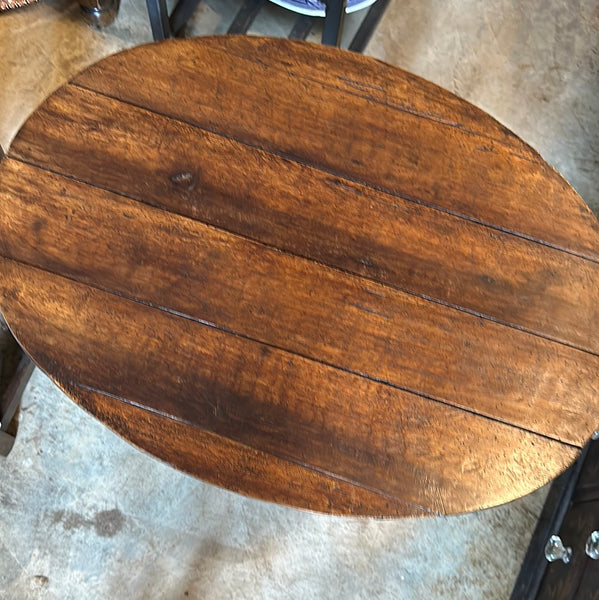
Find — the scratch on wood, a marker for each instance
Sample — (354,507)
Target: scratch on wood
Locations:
(441,499)
(345,186)
(367,263)
(375,293)
(371,310)
(360,85)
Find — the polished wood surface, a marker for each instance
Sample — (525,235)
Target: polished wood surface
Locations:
(304,275)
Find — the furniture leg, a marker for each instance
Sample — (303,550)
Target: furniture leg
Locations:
(372,19)
(158,13)
(15,371)
(245,17)
(99,13)
(333,22)
(181,14)
(301,27)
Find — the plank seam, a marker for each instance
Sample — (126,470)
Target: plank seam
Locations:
(335,476)
(356,93)
(228,331)
(342,175)
(291,253)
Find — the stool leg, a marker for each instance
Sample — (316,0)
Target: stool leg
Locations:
(10,402)
(181,14)
(15,371)
(301,27)
(333,22)
(157,11)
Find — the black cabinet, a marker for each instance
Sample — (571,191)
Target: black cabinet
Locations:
(571,511)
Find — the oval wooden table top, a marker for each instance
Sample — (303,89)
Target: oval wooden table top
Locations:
(304,275)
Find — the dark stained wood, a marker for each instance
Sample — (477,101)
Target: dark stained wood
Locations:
(572,512)
(239,467)
(554,510)
(313,122)
(298,305)
(304,275)
(578,579)
(414,248)
(589,585)
(321,417)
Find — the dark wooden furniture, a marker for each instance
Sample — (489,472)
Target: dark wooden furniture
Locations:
(572,512)
(304,275)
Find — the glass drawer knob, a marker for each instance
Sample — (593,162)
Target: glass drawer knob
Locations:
(592,546)
(555,550)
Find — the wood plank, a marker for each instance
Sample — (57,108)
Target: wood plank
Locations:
(589,584)
(368,78)
(409,154)
(328,420)
(379,82)
(305,211)
(301,306)
(236,467)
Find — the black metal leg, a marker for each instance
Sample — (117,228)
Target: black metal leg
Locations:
(301,27)
(333,22)
(15,370)
(245,17)
(374,15)
(181,14)
(157,11)
(10,402)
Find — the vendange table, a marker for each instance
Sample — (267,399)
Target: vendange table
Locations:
(304,275)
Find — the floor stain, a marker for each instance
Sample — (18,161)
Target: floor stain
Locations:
(39,582)
(106,523)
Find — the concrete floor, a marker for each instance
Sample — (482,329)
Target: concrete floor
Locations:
(85,515)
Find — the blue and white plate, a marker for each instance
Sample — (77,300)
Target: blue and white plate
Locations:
(313,8)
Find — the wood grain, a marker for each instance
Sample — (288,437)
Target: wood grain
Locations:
(315,122)
(238,467)
(305,276)
(300,306)
(321,417)
(410,247)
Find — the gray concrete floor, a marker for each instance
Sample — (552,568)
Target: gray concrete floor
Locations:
(85,515)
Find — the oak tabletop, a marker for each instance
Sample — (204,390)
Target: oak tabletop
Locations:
(304,275)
